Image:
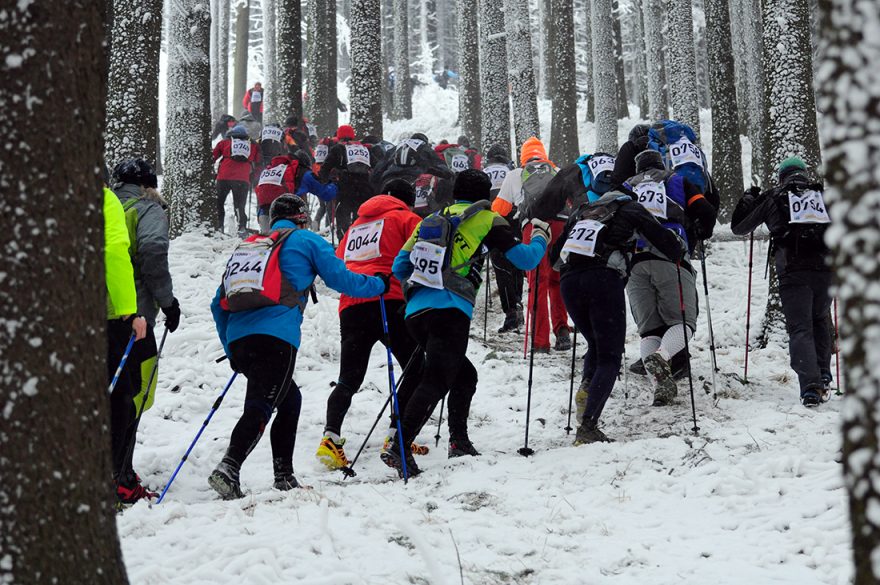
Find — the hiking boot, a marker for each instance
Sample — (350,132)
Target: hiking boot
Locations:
(331,454)
(461,447)
(284,478)
(678,364)
(414,447)
(811,396)
(658,370)
(638,368)
(563,339)
(510,322)
(588,433)
(580,399)
(224,480)
(131,494)
(392,459)
(825,393)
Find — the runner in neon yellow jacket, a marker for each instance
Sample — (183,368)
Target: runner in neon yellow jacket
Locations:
(119,274)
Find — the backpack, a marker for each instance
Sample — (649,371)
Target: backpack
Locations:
(425,187)
(496,172)
(585,229)
(357,158)
(431,255)
(535,178)
(253,277)
(274,133)
(677,144)
(803,205)
(406,153)
(275,175)
(457,159)
(239,149)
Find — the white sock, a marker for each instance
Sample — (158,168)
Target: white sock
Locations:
(649,345)
(673,341)
(333,437)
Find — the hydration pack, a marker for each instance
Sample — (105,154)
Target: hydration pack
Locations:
(677,144)
(457,159)
(239,149)
(803,206)
(253,277)
(357,158)
(662,194)
(586,233)
(536,176)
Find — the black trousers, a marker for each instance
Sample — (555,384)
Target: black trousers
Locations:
(805,303)
(444,335)
(267,362)
(240,191)
(141,363)
(510,281)
(122,412)
(361,328)
(345,215)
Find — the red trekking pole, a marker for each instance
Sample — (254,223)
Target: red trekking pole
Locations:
(528,317)
(749,305)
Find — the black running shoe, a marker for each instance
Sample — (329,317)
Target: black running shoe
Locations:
(392,459)
(461,447)
(224,480)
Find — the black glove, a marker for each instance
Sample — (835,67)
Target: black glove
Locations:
(386,280)
(172,316)
(754,192)
(234,366)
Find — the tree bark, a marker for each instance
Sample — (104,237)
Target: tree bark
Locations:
(726,149)
(133,81)
(681,61)
(469,72)
(56,500)
(188,169)
(223,58)
(590,114)
(288,93)
(402,89)
(849,68)
(239,76)
(366,68)
(521,71)
(546,74)
(215,60)
(493,75)
(658,107)
(563,131)
(271,111)
(620,76)
(321,59)
(604,77)
(640,60)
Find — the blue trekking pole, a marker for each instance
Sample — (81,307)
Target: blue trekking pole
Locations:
(121,364)
(393,391)
(199,434)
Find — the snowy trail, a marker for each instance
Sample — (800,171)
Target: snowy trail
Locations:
(755,498)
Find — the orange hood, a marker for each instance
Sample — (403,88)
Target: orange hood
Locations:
(532,149)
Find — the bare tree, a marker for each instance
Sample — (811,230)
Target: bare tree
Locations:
(402,87)
(215,60)
(563,131)
(620,78)
(188,173)
(587,32)
(850,97)
(658,106)
(223,58)
(321,65)
(53,396)
(681,61)
(288,93)
(469,71)
(271,111)
(366,68)
(639,64)
(521,71)
(133,80)
(239,73)
(495,110)
(604,77)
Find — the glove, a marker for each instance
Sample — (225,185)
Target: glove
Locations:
(541,229)
(172,316)
(386,280)
(753,192)
(234,366)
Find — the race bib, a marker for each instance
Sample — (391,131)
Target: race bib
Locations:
(245,270)
(652,196)
(460,163)
(683,152)
(240,147)
(496,174)
(321,153)
(413,143)
(600,164)
(357,153)
(427,259)
(272,175)
(256,97)
(272,133)
(809,207)
(363,241)
(313,130)
(582,239)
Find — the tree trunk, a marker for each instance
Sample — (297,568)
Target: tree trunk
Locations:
(271,81)
(590,115)
(402,89)
(57,516)
(658,107)
(756,111)
(366,68)
(704,98)
(620,76)
(223,58)
(188,172)
(849,68)
(563,131)
(133,80)
(493,75)
(288,92)
(641,69)
(332,117)
(521,71)
(604,77)
(682,67)
(548,67)
(736,12)
(321,81)
(215,60)
(239,79)
(469,72)
(726,149)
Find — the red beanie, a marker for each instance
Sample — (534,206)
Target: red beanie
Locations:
(345,132)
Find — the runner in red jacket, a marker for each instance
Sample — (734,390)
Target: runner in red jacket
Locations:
(385,222)
(238,154)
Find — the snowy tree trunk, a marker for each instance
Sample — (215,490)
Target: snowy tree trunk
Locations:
(620,76)
(849,87)
(366,68)
(321,81)
(469,71)
(787,56)
(640,63)
(223,57)
(57,522)
(726,149)
(239,75)
(402,90)
(546,75)
(271,111)
(332,117)
(495,110)
(188,173)
(681,63)
(738,45)
(133,80)
(215,60)
(756,111)
(521,71)
(563,131)
(702,54)
(587,29)
(658,108)
(604,77)
(288,93)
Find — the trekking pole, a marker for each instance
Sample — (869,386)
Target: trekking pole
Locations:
(439,421)
(525,451)
(529,316)
(749,306)
(574,345)
(837,353)
(121,364)
(348,470)
(709,317)
(396,404)
(199,434)
(687,351)
(333,223)
(486,307)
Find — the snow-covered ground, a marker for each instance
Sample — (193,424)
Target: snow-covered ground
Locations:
(755,497)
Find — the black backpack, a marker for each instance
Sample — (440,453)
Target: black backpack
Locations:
(585,229)
(536,176)
(803,206)
(357,158)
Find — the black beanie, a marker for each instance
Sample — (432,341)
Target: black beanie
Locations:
(402,190)
(471,185)
(649,159)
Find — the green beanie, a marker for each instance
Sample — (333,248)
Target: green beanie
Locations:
(790,165)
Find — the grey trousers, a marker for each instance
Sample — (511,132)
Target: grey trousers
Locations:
(654,299)
(805,303)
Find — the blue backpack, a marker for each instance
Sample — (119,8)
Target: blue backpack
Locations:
(678,145)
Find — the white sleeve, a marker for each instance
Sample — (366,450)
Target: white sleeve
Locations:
(511,188)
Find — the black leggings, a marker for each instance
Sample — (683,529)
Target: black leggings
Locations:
(122,412)
(510,281)
(267,362)
(240,191)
